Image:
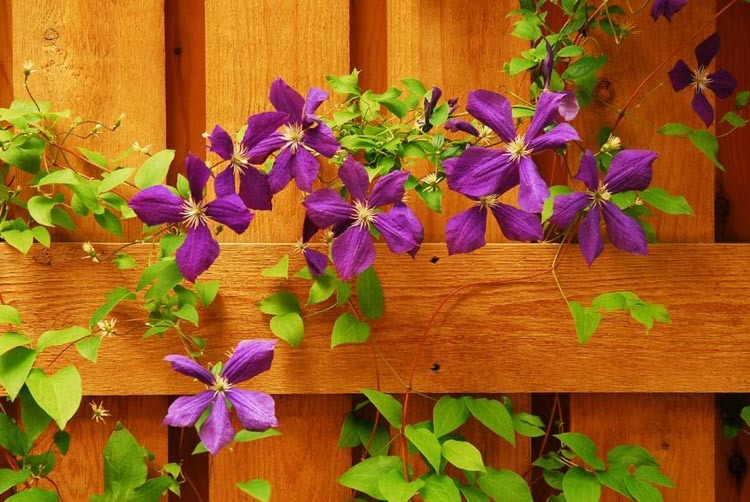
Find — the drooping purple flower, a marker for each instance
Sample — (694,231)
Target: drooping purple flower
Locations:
(465,231)
(629,170)
(353,249)
(721,82)
(431,104)
(316,261)
(254,188)
(255,410)
(667,8)
(479,172)
(157,204)
(299,138)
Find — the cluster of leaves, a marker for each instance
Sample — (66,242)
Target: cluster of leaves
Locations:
(576,470)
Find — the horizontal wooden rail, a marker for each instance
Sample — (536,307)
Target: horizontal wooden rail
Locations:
(514,337)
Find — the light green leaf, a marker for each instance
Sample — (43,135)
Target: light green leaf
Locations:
(494,416)
(584,67)
(663,201)
(322,289)
(96,158)
(89,347)
(370,294)
(279,303)
(34,495)
(586,321)
(10,478)
(439,489)
(519,65)
(463,455)
(741,99)
(12,438)
(448,415)
(61,177)
(627,455)
(289,327)
(246,436)
(114,297)
(642,491)
(745,414)
(34,419)
(581,486)
(570,51)
(652,474)
(674,129)
(9,315)
(124,261)
(109,222)
(582,446)
(705,141)
(14,368)
(259,489)
(504,485)
(427,443)
(40,208)
(41,235)
(59,394)
(114,179)
(154,170)
(61,337)
(365,476)
(124,466)
(395,488)
(207,292)
(281,269)
(188,313)
(349,329)
(387,405)
(22,240)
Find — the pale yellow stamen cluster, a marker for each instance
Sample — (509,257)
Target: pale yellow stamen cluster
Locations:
(221,385)
(106,327)
(194,213)
(601,195)
(239,160)
(300,246)
(517,148)
(485,135)
(431,182)
(292,135)
(701,80)
(98,412)
(363,214)
(488,201)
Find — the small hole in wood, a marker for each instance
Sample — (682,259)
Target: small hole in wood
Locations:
(737,464)
(178,51)
(434,260)
(435,367)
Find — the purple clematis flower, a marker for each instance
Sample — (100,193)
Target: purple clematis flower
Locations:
(353,250)
(254,188)
(465,231)
(667,8)
(478,172)
(157,204)
(255,410)
(629,170)
(316,261)
(721,82)
(302,135)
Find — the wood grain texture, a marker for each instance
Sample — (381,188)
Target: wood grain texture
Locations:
(523,322)
(91,61)
(676,428)
(680,169)
(6,54)
(459,47)
(301,41)
(301,464)
(368,42)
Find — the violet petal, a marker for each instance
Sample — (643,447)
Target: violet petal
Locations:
(557,137)
(197,253)
(325,208)
(281,171)
(722,83)
(630,170)
(156,205)
(413,223)
(680,76)
(188,367)
(353,251)
(287,100)
(455,125)
(589,235)
(623,231)
(256,410)
(706,51)
(305,169)
(532,191)
(224,182)
(315,98)
(249,358)
(398,230)
(518,225)
(221,143)
(389,189)
(464,232)
(546,112)
(316,262)
(567,207)
(231,211)
(493,110)
(198,175)
(588,173)
(480,171)
(186,410)
(703,108)
(255,190)
(569,106)
(355,178)
(217,432)
(321,139)
(265,147)
(261,126)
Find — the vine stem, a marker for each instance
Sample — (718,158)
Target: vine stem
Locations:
(674,53)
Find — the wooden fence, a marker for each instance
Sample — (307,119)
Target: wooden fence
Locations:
(179,67)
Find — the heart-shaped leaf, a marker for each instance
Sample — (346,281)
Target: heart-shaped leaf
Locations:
(59,394)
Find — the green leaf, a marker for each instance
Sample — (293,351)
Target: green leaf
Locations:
(387,405)
(89,347)
(586,321)
(124,466)
(370,294)
(627,455)
(528,425)
(61,177)
(289,327)
(152,490)
(281,269)
(154,170)
(322,289)
(25,154)
(439,489)
(167,275)
(652,474)
(62,441)
(614,479)
(188,313)
(448,415)
(519,65)
(549,204)
(10,478)
(34,495)
(114,179)
(395,488)
(96,158)
(675,129)
(494,416)
(584,67)
(349,329)
(582,446)
(61,337)
(41,235)
(642,491)
(279,303)
(663,201)
(463,455)
(581,486)
(745,414)
(207,292)
(733,119)
(9,315)
(59,394)
(14,368)
(705,141)
(427,443)
(12,438)
(526,30)
(570,51)
(35,420)
(365,476)
(22,240)
(259,489)
(504,485)
(109,222)
(349,437)
(246,436)
(114,297)
(741,99)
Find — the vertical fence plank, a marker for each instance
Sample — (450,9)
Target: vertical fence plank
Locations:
(100,59)
(301,41)
(732,225)
(679,429)
(6,54)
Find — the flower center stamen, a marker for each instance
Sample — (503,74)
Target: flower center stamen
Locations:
(221,385)
(485,135)
(431,182)
(363,214)
(601,195)
(301,246)
(292,135)
(488,201)
(517,148)
(701,80)
(239,160)
(194,213)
